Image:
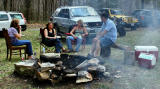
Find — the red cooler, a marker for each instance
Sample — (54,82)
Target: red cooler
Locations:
(147,60)
(146,49)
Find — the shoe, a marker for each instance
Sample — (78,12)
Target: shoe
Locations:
(90,56)
(70,51)
(65,51)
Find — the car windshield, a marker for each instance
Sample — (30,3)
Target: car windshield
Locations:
(149,13)
(16,16)
(3,17)
(117,12)
(83,12)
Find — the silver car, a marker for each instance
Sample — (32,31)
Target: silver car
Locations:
(65,17)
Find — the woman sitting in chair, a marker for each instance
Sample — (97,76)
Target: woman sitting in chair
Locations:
(78,33)
(51,38)
(14,35)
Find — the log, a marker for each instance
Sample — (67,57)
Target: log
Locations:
(84,76)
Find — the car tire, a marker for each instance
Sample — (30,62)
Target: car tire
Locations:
(1,34)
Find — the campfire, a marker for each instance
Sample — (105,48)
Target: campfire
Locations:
(58,67)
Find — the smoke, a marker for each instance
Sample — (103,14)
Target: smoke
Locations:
(133,77)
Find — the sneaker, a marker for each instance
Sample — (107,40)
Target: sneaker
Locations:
(90,56)
(70,51)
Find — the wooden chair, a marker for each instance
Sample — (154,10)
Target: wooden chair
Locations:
(11,48)
(42,44)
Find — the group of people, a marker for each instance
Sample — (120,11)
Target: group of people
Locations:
(104,38)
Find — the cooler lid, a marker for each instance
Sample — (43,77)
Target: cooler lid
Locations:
(146,48)
(150,57)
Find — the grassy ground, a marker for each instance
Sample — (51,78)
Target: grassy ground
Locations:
(10,81)
(133,77)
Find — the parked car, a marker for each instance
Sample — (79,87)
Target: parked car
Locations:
(7,17)
(130,22)
(120,27)
(144,16)
(66,17)
(20,17)
(156,17)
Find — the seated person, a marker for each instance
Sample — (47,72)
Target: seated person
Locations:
(13,33)
(77,33)
(51,38)
(105,38)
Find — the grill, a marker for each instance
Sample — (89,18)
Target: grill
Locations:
(94,24)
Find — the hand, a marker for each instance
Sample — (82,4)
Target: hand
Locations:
(74,37)
(19,29)
(54,37)
(95,39)
(83,35)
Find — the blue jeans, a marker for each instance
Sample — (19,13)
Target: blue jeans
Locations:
(24,42)
(69,42)
(105,44)
(58,46)
(54,42)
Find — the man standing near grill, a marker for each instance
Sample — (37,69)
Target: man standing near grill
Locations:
(105,38)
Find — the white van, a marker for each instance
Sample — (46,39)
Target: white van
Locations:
(7,17)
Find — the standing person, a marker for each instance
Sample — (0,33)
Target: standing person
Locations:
(77,33)
(105,38)
(51,39)
(14,35)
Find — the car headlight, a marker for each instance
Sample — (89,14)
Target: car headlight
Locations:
(73,23)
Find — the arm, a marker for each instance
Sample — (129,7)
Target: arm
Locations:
(46,35)
(101,34)
(85,32)
(16,34)
(106,29)
(73,30)
(55,33)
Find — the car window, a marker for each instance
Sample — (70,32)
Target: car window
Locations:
(149,13)
(64,13)
(16,16)
(117,12)
(104,11)
(3,17)
(83,12)
(136,13)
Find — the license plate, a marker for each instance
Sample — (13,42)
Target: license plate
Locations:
(92,31)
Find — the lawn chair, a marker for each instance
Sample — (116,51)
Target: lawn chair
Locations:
(42,44)
(11,48)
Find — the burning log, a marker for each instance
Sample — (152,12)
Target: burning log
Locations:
(84,76)
(99,68)
(87,63)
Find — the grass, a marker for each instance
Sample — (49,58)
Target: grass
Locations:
(139,37)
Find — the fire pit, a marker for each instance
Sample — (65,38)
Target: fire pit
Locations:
(58,67)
